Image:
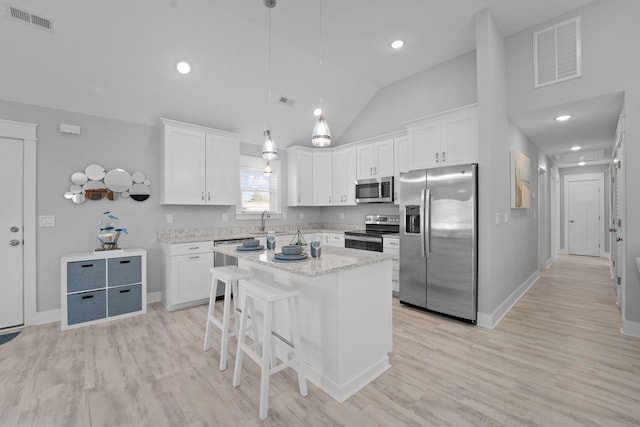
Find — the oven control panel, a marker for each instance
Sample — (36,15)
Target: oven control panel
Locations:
(382,219)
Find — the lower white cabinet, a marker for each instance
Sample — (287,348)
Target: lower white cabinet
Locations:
(186,274)
(96,287)
(333,239)
(391,245)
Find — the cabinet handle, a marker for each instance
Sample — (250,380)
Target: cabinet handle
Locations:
(329,199)
(437,158)
(125,291)
(87,297)
(87,265)
(125,262)
(209,195)
(202,195)
(194,248)
(194,257)
(443,157)
(298,199)
(375,170)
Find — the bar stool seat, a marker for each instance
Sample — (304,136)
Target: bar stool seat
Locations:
(230,275)
(262,351)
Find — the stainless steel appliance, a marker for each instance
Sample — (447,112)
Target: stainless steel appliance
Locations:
(370,239)
(438,240)
(375,190)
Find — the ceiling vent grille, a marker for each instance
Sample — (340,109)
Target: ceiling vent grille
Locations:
(557,53)
(27,17)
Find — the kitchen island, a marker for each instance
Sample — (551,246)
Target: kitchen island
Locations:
(344,311)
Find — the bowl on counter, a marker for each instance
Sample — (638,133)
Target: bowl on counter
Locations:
(249,243)
(291,250)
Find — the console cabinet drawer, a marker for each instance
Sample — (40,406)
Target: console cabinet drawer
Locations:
(124,271)
(85,275)
(86,306)
(124,299)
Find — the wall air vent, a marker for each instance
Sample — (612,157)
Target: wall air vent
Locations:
(30,18)
(286,101)
(557,53)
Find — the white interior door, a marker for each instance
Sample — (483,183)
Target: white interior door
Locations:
(584,218)
(11,242)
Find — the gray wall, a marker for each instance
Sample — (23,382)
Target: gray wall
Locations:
(610,33)
(112,144)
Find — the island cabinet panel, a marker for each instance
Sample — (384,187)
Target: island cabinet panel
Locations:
(200,166)
(100,286)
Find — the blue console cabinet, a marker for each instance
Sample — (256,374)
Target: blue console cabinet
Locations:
(101,286)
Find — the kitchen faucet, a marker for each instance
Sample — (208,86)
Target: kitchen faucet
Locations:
(262,221)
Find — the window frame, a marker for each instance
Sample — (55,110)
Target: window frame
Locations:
(258,163)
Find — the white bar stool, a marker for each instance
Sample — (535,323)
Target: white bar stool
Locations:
(230,275)
(269,294)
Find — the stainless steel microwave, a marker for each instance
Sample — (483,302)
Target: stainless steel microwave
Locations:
(375,190)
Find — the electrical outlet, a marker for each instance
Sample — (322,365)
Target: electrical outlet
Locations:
(225,217)
(506,217)
(497,218)
(301,215)
(47,221)
(341,215)
(169,218)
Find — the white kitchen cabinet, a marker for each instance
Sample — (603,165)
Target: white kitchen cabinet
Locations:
(391,245)
(299,176)
(187,280)
(96,287)
(322,178)
(399,157)
(444,139)
(333,239)
(375,159)
(344,176)
(200,166)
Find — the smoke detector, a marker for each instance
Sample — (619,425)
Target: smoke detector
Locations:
(28,17)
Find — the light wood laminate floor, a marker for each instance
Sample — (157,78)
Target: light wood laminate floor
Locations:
(557,359)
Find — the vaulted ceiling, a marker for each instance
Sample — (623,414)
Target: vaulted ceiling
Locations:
(117,58)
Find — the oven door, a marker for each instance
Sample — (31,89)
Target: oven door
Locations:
(367,243)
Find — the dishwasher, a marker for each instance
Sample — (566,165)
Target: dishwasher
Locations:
(220,259)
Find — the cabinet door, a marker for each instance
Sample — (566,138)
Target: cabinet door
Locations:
(400,145)
(339,173)
(459,136)
(191,281)
(183,162)
(366,160)
(322,178)
(384,158)
(223,171)
(424,145)
(300,176)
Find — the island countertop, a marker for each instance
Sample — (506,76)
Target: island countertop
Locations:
(332,259)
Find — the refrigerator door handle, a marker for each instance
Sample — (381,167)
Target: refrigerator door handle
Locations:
(423,249)
(427,222)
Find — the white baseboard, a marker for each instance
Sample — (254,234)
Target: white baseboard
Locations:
(153,297)
(44,317)
(549,263)
(491,320)
(607,255)
(563,251)
(630,328)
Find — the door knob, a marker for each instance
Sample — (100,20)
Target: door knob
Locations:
(14,229)
(14,242)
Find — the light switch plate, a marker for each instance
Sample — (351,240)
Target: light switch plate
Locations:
(301,215)
(169,218)
(47,221)
(497,218)
(506,217)
(225,217)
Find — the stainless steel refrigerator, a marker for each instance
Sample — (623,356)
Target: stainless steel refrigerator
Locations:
(439,240)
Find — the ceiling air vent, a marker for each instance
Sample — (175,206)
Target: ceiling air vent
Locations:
(557,53)
(30,18)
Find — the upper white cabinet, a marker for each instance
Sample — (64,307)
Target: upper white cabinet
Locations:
(197,164)
(375,159)
(300,176)
(322,178)
(444,139)
(400,144)
(344,176)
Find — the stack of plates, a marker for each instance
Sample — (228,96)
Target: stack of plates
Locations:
(280,257)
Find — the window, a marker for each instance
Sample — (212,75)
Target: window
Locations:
(258,192)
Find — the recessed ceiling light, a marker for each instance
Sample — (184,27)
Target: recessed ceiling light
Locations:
(397,44)
(317,112)
(183,67)
(563,118)
(581,163)
(576,148)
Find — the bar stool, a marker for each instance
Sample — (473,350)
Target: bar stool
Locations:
(230,275)
(268,294)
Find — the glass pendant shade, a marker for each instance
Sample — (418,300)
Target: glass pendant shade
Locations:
(321,134)
(267,169)
(269,149)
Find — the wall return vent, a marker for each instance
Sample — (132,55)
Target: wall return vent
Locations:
(557,53)
(24,16)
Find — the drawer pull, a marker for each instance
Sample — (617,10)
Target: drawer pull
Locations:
(125,291)
(87,265)
(194,257)
(87,296)
(194,248)
(125,262)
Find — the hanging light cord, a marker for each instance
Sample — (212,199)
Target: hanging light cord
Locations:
(269,76)
(321,65)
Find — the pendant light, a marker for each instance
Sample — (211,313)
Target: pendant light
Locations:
(321,136)
(267,169)
(269,149)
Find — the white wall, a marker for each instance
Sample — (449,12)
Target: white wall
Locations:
(610,33)
(449,85)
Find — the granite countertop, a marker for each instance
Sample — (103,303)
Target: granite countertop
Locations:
(333,259)
(190,235)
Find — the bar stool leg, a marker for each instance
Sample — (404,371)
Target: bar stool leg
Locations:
(266,363)
(212,299)
(241,335)
(295,332)
(225,325)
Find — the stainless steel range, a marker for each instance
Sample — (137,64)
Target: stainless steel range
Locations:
(370,239)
